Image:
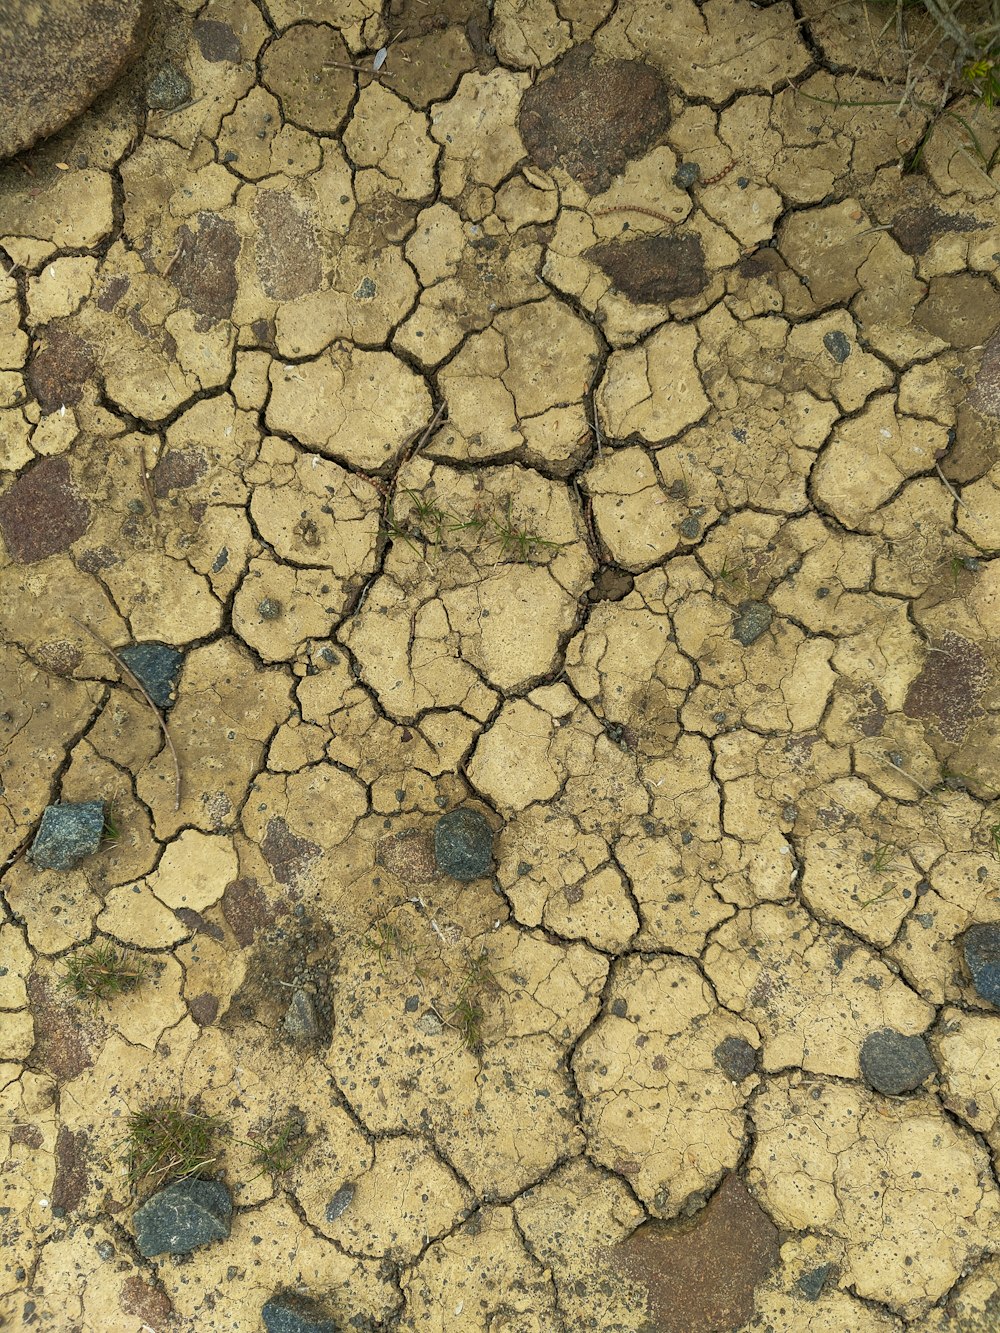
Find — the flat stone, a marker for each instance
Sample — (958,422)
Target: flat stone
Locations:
(287,1312)
(701,1274)
(981,950)
(182,1217)
(158,666)
(340,1203)
(68,833)
(301,1022)
(593,117)
(42,513)
(752,619)
(463,844)
(892,1063)
(56,57)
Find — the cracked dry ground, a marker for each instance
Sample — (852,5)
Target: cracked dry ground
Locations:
(300,375)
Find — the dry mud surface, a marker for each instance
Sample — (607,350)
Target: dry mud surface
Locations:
(582,419)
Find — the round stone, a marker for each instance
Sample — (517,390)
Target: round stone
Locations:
(892,1063)
(463,844)
(168,89)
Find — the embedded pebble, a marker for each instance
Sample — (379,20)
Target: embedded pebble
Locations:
(981,949)
(185,1215)
(463,844)
(892,1063)
(69,832)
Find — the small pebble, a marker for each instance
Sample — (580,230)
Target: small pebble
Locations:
(463,844)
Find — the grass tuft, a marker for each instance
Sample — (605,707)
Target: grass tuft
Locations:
(277,1149)
(166,1144)
(102,971)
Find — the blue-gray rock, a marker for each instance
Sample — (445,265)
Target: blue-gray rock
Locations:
(340,1202)
(287,1312)
(158,666)
(68,833)
(463,844)
(837,344)
(752,619)
(981,947)
(183,1216)
(168,89)
(892,1063)
(811,1284)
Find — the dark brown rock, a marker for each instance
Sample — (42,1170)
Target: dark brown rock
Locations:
(66,1039)
(701,1273)
(286,853)
(247,910)
(177,470)
(289,260)
(217,42)
(410,855)
(985,396)
(70,1184)
(592,117)
(947,691)
(205,269)
(146,1303)
(204,1009)
(60,370)
(654,270)
(56,56)
(42,514)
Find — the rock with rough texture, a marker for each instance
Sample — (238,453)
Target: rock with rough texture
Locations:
(288,1313)
(55,58)
(981,948)
(183,1216)
(463,844)
(157,666)
(893,1063)
(68,833)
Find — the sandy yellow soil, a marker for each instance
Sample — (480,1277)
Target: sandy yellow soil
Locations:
(584,419)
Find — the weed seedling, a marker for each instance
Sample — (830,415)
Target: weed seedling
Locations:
(102,971)
(279,1148)
(468,1016)
(167,1143)
(880,861)
(387,942)
(994,836)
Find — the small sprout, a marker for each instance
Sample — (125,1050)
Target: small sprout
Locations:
(167,1143)
(994,836)
(102,971)
(279,1148)
(111,832)
(387,942)
(880,861)
(468,1016)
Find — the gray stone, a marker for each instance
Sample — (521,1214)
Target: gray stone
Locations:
(687,175)
(752,619)
(981,949)
(892,1063)
(158,666)
(287,1312)
(168,89)
(183,1216)
(301,1022)
(836,343)
(56,57)
(68,833)
(463,844)
(340,1203)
